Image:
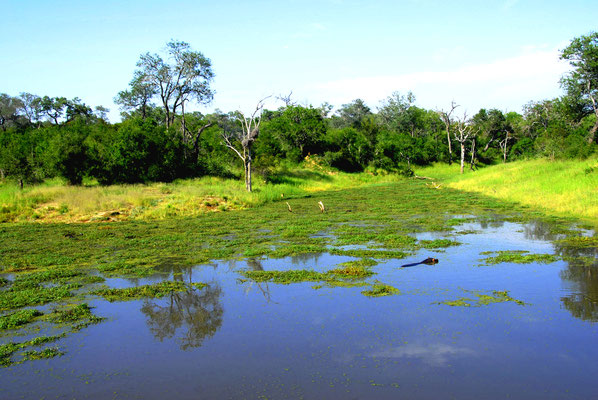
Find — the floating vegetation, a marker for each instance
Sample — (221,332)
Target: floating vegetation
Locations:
(579,241)
(74,314)
(518,257)
(381,289)
(3,281)
(49,352)
(19,318)
(438,243)
(376,254)
(8,349)
(35,279)
(11,299)
(481,299)
(154,291)
(286,277)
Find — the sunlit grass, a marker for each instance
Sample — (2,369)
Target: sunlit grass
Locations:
(55,201)
(559,187)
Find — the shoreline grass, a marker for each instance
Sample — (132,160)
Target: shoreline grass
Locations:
(54,201)
(562,188)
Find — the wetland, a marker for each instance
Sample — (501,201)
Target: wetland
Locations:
(267,303)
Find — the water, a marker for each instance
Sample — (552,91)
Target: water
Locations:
(237,339)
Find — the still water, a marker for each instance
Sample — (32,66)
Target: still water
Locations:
(239,339)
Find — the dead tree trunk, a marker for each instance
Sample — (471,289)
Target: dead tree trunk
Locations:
(246,136)
(446,118)
(503,146)
(473,157)
(464,131)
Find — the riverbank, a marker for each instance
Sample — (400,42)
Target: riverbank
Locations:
(561,188)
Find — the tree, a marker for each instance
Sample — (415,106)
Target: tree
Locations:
(53,107)
(30,107)
(239,132)
(184,76)
(139,97)
(352,115)
(75,108)
(399,114)
(300,130)
(582,82)
(9,107)
(464,130)
(446,119)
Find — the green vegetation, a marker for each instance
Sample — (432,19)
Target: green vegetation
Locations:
(557,187)
(380,289)
(482,299)
(11,299)
(16,319)
(152,291)
(8,349)
(518,257)
(74,314)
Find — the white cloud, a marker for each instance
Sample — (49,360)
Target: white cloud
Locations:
(506,83)
(434,354)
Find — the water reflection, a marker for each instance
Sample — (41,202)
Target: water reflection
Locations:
(582,272)
(433,354)
(255,264)
(196,314)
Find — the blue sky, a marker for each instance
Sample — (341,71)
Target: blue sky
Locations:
(498,54)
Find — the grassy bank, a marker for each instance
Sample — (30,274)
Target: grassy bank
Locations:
(53,201)
(564,188)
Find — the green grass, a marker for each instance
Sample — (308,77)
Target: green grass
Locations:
(53,201)
(564,188)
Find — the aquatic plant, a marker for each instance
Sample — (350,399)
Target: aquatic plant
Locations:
(153,291)
(380,289)
(518,257)
(16,319)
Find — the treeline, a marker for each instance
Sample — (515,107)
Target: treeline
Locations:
(42,137)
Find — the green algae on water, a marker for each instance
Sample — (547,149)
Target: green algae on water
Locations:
(380,289)
(18,318)
(481,299)
(153,291)
(518,257)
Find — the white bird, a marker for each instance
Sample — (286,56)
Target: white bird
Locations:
(321,206)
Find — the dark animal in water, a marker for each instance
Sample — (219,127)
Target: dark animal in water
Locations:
(427,261)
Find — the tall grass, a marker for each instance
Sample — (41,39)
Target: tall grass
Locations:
(568,187)
(55,201)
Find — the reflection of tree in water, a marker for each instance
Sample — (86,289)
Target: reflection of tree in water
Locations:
(255,264)
(582,272)
(493,221)
(196,313)
(305,257)
(541,230)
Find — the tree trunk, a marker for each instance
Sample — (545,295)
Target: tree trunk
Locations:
(248,175)
(593,131)
(462,156)
(472,163)
(448,137)
(248,169)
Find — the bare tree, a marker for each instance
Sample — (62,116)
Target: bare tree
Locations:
(286,99)
(446,118)
(504,145)
(464,131)
(250,129)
